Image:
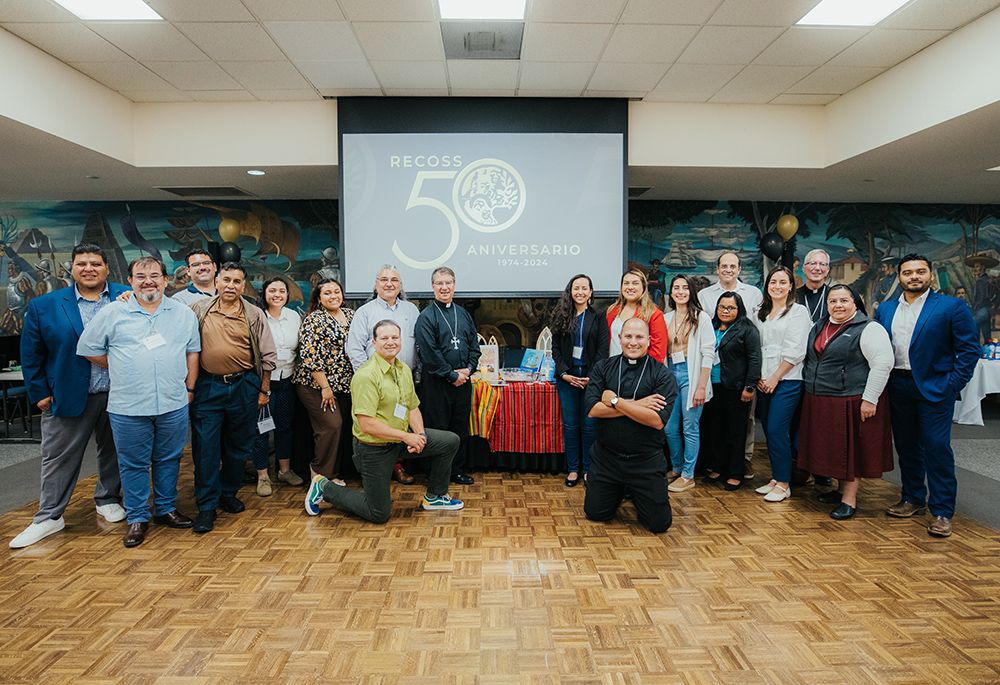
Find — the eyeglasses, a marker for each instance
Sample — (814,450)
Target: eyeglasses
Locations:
(146,277)
(726,308)
(384,280)
(821,265)
(197,264)
(443,283)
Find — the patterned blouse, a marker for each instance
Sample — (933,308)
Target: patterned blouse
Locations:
(321,348)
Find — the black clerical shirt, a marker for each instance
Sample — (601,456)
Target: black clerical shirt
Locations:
(622,435)
(446,340)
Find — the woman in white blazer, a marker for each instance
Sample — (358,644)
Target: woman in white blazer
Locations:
(690,354)
(784,332)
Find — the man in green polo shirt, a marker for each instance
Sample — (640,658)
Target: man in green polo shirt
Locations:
(387,425)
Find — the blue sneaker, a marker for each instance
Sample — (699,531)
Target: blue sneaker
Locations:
(314,495)
(442,502)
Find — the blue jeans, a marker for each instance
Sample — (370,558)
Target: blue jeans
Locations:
(282,407)
(579,430)
(223,426)
(144,444)
(776,411)
(683,444)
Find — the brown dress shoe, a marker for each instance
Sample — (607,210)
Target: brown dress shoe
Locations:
(174,519)
(904,510)
(136,534)
(402,476)
(748,471)
(940,527)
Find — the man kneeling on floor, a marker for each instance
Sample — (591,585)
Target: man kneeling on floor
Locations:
(631,396)
(387,425)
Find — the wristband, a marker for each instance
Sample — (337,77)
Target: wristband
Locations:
(190,389)
(324,387)
(423,434)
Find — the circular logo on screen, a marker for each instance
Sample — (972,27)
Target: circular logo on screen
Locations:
(489,195)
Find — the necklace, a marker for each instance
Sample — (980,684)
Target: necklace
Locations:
(819,302)
(454,331)
(831,329)
(635,391)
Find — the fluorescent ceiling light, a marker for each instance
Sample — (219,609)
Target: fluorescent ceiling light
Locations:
(482,9)
(996,168)
(851,12)
(255,172)
(110,10)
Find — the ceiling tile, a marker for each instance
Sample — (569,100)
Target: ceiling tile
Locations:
(286,95)
(613,76)
(697,81)
(69,42)
(938,14)
(728,45)
(200,10)
(675,96)
(221,96)
(389,10)
(669,11)
(474,74)
(155,41)
(411,75)
(232,41)
(804,99)
(194,75)
(620,94)
(648,43)
(808,45)
(398,42)
(577,11)
(350,92)
(281,75)
(570,76)
(315,40)
(122,75)
(761,12)
(886,47)
(416,92)
(760,84)
(32,10)
(547,93)
(295,10)
(564,42)
(339,75)
(838,80)
(482,93)
(156,95)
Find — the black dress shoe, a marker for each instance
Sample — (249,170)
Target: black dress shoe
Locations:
(832,497)
(462,479)
(136,534)
(205,521)
(711,479)
(232,505)
(572,482)
(730,487)
(174,519)
(843,512)
(824,480)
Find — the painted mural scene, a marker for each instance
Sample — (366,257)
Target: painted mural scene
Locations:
(299,240)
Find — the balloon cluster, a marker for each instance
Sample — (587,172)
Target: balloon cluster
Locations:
(773,243)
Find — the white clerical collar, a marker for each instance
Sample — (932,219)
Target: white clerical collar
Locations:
(631,361)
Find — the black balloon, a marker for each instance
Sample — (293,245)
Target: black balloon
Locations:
(772,245)
(230,252)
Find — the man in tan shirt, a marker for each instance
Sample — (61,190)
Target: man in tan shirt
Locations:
(237,356)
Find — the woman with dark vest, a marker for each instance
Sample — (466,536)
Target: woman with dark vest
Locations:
(735,373)
(845,430)
(579,340)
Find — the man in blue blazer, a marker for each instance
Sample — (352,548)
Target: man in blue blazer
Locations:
(936,349)
(72,394)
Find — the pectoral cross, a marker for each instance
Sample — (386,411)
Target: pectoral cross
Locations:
(455,341)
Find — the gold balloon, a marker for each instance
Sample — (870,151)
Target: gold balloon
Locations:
(229,230)
(787,226)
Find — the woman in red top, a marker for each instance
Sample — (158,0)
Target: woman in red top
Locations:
(633,300)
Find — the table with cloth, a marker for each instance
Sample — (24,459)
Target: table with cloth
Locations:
(985,381)
(519,426)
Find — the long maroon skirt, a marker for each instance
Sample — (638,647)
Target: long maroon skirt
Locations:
(834,442)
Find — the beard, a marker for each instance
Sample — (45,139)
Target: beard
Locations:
(149,298)
(916,288)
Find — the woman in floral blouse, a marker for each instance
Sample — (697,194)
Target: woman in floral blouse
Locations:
(323,373)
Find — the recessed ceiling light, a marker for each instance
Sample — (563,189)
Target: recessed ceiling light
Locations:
(996,168)
(111,10)
(482,9)
(255,172)
(851,12)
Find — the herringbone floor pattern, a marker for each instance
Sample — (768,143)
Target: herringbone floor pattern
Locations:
(517,588)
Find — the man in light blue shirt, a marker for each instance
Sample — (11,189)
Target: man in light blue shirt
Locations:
(151,346)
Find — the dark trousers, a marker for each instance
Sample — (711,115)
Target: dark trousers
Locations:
(375,462)
(645,475)
(282,408)
(723,432)
(327,426)
(922,433)
(579,429)
(223,429)
(447,408)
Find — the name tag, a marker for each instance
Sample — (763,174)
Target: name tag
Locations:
(716,360)
(154,341)
(284,355)
(400,412)
(677,357)
(577,352)
(265,425)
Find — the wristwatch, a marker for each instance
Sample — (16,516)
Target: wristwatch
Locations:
(614,401)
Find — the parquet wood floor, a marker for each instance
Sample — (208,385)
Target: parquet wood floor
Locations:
(517,588)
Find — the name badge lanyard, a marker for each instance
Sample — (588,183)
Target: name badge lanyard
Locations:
(400,411)
(153,339)
(578,346)
(635,390)
(454,331)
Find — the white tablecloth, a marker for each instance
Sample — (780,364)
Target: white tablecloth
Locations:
(984,381)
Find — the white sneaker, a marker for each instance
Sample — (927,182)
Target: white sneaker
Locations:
(778,493)
(112,513)
(37,531)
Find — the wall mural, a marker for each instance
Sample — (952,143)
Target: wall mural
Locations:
(300,240)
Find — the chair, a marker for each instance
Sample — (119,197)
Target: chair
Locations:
(17,395)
